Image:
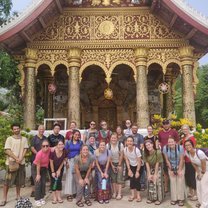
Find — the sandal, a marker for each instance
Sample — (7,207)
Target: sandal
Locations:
(131,199)
(173,202)
(106,201)
(88,202)
(119,197)
(79,204)
(180,203)
(101,202)
(157,203)
(138,200)
(69,198)
(60,201)
(149,201)
(194,198)
(3,203)
(54,202)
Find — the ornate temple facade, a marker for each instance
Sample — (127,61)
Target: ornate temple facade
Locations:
(106,59)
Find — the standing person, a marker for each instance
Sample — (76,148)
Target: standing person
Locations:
(116,173)
(163,136)
(154,161)
(73,147)
(92,131)
(57,159)
(72,126)
(200,163)
(102,173)
(83,165)
(15,148)
(120,135)
(92,145)
(174,156)
(189,169)
(39,172)
(56,136)
(139,143)
(133,162)
(36,144)
(152,137)
(127,131)
(104,133)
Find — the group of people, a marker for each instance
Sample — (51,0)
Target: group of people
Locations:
(98,162)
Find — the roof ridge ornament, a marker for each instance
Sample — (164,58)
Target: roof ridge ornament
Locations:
(192,12)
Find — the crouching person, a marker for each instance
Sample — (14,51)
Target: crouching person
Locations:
(83,165)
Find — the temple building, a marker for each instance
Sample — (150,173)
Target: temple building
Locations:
(106,59)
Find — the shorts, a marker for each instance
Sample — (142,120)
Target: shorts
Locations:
(15,178)
(117,177)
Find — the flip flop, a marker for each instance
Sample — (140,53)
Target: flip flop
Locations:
(54,202)
(131,199)
(138,200)
(60,201)
(3,203)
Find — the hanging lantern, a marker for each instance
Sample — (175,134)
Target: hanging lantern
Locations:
(52,88)
(163,88)
(108,94)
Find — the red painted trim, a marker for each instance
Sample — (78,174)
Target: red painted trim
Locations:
(185,16)
(28,20)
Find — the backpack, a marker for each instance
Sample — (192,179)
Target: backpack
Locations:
(23,203)
(119,146)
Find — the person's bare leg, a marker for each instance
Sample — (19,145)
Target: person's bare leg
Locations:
(17,192)
(114,190)
(5,192)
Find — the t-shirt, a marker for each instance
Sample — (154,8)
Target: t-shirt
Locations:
(42,158)
(83,166)
(102,158)
(132,156)
(173,155)
(127,132)
(115,151)
(138,139)
(36,142)
(17,146)
(165,135)
(72,148)
(153,158)
(54,139)
(196,159)
(57,160)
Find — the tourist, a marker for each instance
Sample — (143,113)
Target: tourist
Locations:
(189,169)
(73,147)
(174,156)
(127,131)
(83,165)
(200,163)
(163,136)
(15,148)
(139,143)
(56,136)
(116,173)
(92,131)
(57,160)
(39,172)
(154,161)
(72,126)
(102,173)
(104,133)
(36,144)
(120,134)
(133,162)
(92,144)
(152,137)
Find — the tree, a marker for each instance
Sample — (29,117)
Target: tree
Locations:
(5,9)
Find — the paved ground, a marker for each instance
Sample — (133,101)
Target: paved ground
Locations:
(25,192)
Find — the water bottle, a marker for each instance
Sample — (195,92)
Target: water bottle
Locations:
(86,190)
(55,184)
(104,183)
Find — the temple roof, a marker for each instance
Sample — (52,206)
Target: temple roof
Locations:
(176,14)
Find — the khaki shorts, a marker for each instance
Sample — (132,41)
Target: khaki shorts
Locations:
(15,178)
(117,177)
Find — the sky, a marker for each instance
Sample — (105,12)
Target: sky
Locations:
(20,5)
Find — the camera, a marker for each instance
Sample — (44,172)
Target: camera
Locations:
(174,169)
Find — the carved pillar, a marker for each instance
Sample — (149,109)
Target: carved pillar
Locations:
(168,97)
(141,88)
(186,54)
(30,94)
(74,56)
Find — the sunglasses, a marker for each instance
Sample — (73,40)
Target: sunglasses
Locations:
(45,145)
(93,124)
(104,124)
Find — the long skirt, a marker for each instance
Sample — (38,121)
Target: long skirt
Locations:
(70,183)
(155,191)
(101,194)
(190,175)
(202,190)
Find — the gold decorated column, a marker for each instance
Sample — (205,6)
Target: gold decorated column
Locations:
(186,55)
(30,94)
(141,88)
(74,56)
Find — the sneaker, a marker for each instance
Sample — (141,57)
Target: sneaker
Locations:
(43,201)
(38,203)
